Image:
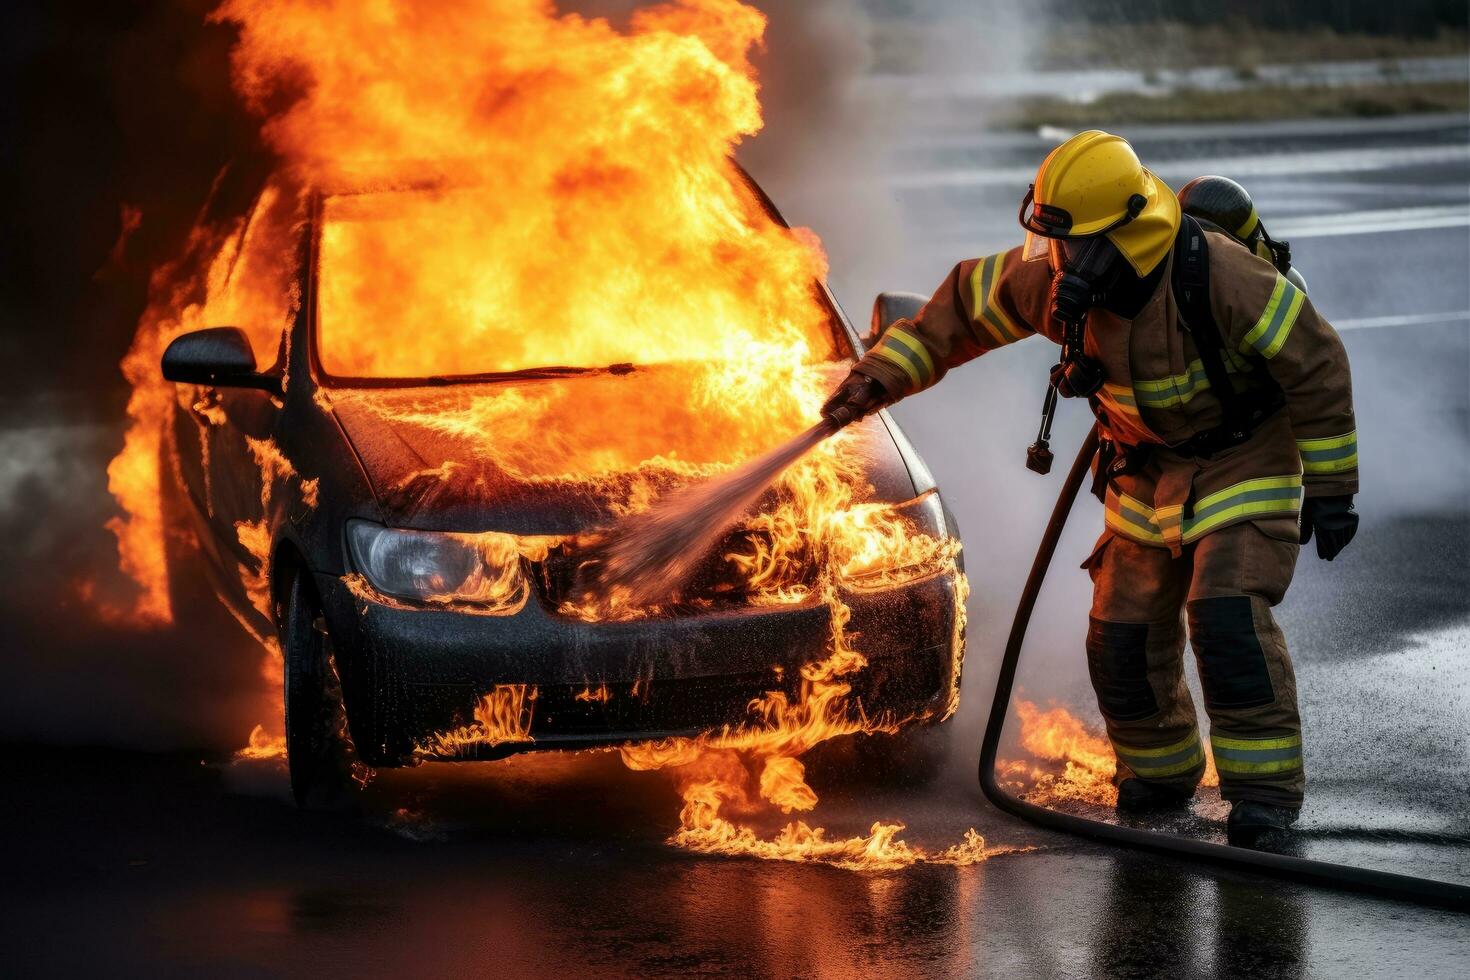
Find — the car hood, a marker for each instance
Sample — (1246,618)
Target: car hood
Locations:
(564,455)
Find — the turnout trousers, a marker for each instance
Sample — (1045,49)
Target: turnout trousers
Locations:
(1223,587)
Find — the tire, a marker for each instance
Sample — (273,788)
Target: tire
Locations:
(318,749)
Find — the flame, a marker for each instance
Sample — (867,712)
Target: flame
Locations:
(504,715)
(1088,764)
(263,745)
(508,187)
(599,694)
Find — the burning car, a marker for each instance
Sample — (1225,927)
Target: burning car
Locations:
(413,535)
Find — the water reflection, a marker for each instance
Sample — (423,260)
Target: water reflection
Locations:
(1261,929)
(1148,924)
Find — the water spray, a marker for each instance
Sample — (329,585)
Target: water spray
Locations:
(648,555)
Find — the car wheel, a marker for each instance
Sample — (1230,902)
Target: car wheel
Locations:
(318,748)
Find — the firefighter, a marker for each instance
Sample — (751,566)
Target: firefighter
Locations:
(1224,408)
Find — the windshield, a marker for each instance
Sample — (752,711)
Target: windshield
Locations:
(470,282)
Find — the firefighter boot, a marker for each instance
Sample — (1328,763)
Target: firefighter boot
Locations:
(1138,798)
(1260,826)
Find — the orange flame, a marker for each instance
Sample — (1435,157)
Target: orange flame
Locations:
(504,715)
(262,745)
(508,187)
(1056,735)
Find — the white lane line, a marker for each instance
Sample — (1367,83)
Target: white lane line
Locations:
(1358,160)
(1046,137)
(1373,222)
(1400,320)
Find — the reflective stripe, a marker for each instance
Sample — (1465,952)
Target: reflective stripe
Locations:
(907,352)
(1271,495)
(984,284)
(914,346)
(1335,454)
(902,362)
(1164,760)
(1168,524)
(1120,397)
(1131,518)
(1255,756)
(1274,326)
(1178,389)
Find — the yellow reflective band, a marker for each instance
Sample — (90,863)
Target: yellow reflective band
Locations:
(1251,498)
(1330,442)
(1177,389)
(1249,226)
(915,346)
(1270,332)
(1256,756)
(984,285)
(1246,486)
(1251,744)
(1131,518)
(1168,524)
(1164,760)
(1154,753)
(1234,766)
(1342,465)
(1193,761)
(903,363)
(1332,454)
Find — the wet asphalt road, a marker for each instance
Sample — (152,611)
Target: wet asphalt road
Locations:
(159,864)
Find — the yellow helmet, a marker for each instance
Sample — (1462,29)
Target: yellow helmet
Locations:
(1094,184)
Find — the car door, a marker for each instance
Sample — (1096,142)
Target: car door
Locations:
(240,465)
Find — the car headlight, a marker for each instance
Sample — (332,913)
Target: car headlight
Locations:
(483,570)
(879,546)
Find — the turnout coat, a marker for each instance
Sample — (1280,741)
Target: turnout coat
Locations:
(1156,392)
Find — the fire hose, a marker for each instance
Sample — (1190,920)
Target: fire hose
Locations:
(1426,891)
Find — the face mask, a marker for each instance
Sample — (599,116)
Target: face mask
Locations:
(1084,269)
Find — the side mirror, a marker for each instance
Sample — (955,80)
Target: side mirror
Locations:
(220,357)
(889,307)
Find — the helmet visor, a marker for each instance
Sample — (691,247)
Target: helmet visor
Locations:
(1053,222)
(1042,219)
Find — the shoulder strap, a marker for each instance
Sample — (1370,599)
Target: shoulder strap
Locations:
(1191,281)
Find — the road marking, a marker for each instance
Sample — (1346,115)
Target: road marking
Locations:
(1400,320)
(1358,160)
(1374,222)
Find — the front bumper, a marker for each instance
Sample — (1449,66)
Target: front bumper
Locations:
(409,673)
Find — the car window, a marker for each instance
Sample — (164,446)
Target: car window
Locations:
(255,279)
(432,283)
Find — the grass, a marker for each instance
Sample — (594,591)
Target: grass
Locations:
(1257,103)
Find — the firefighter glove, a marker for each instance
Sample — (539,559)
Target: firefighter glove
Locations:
(858,395)
(1334,522)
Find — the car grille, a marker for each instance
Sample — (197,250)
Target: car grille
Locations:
(717,582)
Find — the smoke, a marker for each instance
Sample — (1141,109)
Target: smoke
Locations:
(119,122)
